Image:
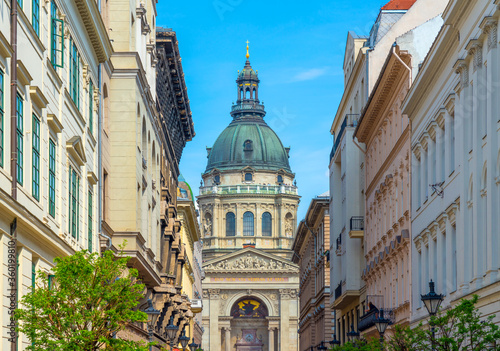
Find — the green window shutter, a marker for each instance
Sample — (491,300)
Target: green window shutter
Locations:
(20,138)
(1,116)
(69,199)
(50,281)
(78,208)
(36,158)
(52,178)
(73,204)
(90,221)
(91,107)
(74,74)
(35,16)
(56,38)
(33,276)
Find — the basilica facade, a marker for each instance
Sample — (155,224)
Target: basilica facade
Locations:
(248,210)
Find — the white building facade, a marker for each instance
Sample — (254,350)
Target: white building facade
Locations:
(453,109)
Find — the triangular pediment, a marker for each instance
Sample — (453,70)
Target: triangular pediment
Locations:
(249,260)
(74,145)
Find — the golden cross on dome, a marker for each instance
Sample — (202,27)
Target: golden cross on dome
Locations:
(248,55)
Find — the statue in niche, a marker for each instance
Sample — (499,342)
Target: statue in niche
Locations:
(289,225)
(207,226)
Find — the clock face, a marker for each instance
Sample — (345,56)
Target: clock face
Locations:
(249,337)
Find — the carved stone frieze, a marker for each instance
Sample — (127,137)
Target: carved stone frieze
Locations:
(250,263)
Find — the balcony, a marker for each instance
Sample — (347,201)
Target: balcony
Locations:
(357,227)
(338,248)
(247,107)
(368,319)
(350,120)
(249,189)
(338,291)
(196,305)
(344,297)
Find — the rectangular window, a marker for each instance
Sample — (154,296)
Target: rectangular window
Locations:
(36,158)
(74,203)
(91,107)
(20,140)
(1,117)
(74,74)
(52,178)
(33,275)
(35,16)
(90,221)
(56,38)
(20,3)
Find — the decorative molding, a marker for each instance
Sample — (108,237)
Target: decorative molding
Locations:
(475,49)
(461,67)
(250,263)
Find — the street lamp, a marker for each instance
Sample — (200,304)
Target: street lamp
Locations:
(334,341)
(183,339)
(171,330)
(322,346)
(353,335)
(153,315)
(432,301)
(193,345)
(381,323)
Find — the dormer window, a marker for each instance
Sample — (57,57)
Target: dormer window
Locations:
(217,179)
(280,179)
(248,177)
(248,145)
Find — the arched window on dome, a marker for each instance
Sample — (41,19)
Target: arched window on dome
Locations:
(280,179)
(248,177)
(248,224)
(248,145)
(230,224)
(247,94)
(267,224)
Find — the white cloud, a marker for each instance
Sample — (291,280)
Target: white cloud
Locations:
(310,74)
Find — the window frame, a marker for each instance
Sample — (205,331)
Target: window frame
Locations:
(20,138)
(74,203)
(248,225)
(35,16)
(268,222)
(91,107)
(35,162)
(248,174)
(90,220)
(52,177)
(230,231)
(74,73)
(56,36)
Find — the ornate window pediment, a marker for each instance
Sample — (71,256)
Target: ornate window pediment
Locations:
(75,148)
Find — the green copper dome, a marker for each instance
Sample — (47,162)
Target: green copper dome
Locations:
(248,140)
(248,143)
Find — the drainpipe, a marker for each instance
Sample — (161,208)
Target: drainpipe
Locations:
(13,97)
(99,147)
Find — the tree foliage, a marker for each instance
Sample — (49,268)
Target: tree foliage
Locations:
(461,328)
(87,301)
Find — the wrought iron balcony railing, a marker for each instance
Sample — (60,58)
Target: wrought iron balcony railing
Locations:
(357,223)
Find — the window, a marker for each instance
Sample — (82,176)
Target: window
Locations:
(52,178)
(35,16)
(36,158)
(74,204)
(20,2)
(33,276)
(266,224)
(280,179)
(90,221)
(56,38)
(248,177)
(91,107)
(20,119)
(248,224)
(1,116)
(217,179)
(248,146)
(230,224)
(74,74)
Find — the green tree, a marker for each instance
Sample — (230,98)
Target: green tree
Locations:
(87,301)
(407,339)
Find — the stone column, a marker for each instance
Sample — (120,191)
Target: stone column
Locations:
(285,318)
(441,256)
(214,319)
(423,175)
(227,332)
(440,177)
(271,338)
(448,152)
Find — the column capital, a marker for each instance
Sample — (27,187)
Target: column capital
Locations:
(475,49)
(489,25)
(461,67)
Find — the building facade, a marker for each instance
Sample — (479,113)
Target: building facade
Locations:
(364,60)
(453,107)
(311,253)
(49,81)
(386,134)
(248,209)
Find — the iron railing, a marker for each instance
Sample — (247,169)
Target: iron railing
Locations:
(338,291)
(350,120)
(357,223)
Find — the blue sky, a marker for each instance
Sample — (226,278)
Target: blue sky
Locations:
(298,48)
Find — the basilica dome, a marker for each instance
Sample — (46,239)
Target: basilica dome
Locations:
(248,142)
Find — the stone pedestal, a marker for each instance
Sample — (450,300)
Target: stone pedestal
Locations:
(249,341)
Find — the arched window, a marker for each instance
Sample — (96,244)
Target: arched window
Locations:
(248,177)
(248,224)
(280,179)
(267,224)
(230,224)
(247,94)
(217,179)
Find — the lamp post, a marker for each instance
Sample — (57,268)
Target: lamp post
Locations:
(171,330)
(153,315)
(193,345)
(321,346)
(432,301)
(183,339)
(381,323)
(334,341)
(353,335)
